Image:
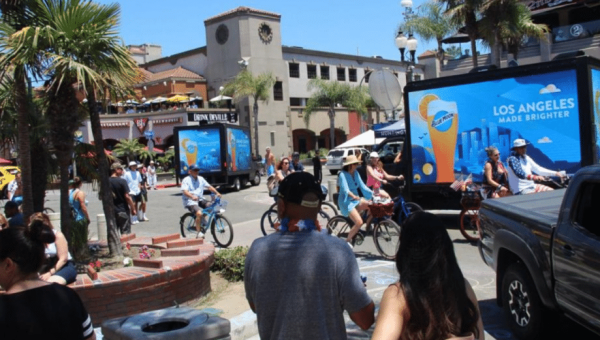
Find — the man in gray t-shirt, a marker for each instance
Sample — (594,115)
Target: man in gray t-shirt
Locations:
(299,281)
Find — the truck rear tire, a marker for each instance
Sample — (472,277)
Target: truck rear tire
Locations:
(244,182)
(236,184)
(256,179)
(521,303)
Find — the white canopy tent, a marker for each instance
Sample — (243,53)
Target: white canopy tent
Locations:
(366,138)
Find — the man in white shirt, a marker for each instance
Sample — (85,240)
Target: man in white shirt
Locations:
(152,175)
(134,182)
(521,169)
(192,188)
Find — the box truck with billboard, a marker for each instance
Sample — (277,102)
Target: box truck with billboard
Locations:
(451,120)
(223,153)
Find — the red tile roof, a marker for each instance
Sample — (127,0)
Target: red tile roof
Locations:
(242,10)
(178,72)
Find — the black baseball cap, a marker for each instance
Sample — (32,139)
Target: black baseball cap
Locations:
(295,185)
(194,167)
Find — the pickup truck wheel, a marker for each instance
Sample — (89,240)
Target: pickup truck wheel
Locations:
(236,184)
(256,180)
(521,303)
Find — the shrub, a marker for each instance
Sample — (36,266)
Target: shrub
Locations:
(230,262)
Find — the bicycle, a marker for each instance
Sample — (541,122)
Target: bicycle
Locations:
(220,227)
(269,220)
(387,221)
(469,215)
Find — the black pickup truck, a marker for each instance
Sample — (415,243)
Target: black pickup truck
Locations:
(545,249)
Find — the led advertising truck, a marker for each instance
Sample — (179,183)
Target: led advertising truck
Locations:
(554,106)
(223,153)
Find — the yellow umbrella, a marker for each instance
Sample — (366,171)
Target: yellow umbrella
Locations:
(177,98)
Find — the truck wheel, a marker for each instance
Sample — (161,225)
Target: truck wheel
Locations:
(244,182)
(521,302)
(236,184)
(333,172)
(256,180)
(5,192)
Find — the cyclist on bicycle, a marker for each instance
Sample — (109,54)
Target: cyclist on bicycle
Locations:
(192,188)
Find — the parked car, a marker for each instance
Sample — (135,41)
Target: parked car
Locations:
(545,248)
(336,157)
(7,175)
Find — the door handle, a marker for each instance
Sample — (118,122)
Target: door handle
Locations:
(567,250)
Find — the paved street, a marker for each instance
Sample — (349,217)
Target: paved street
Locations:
(245,210)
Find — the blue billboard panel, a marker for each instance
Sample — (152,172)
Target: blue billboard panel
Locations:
(200,147)
(596,115)
(238,149)
(450,127)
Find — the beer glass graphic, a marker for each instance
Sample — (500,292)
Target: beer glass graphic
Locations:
(442,121)
(191,151)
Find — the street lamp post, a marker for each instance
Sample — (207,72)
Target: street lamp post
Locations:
(407,43)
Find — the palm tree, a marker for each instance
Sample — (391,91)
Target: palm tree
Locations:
(129,148)
(465,13)
(504,23)
(453,52)
(431,23)
(17,14)
(330,94)
(259,88)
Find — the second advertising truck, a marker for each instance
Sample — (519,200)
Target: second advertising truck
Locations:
(554,106)
(223,152)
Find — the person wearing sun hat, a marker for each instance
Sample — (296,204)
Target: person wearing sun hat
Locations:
(353,196)
(281,268)
(377,177)
(521,169)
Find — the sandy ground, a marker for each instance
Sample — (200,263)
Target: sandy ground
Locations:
(227,297)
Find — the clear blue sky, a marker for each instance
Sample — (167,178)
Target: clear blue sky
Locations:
(349,26)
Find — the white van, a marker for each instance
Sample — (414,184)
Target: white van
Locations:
(336,157)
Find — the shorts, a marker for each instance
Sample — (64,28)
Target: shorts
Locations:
(68,272)
(144,196)
(136,198)
(202,204)
(123,222)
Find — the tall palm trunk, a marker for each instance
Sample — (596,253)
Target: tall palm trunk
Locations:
(471,23)
(255,118)
(331,114)
(22,106)
(113,234)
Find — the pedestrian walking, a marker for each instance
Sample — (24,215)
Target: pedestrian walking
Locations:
(317,166)
(287,272)
(143,194)
(122,202)
(152,176)
(134,180)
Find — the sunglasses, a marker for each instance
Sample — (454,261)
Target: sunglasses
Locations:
(497,154)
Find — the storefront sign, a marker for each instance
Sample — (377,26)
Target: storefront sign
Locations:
(141,124)
(220,117)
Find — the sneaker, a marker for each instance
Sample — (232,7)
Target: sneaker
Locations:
(200,235)
(145,218)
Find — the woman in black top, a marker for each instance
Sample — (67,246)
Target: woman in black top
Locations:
(33,308)
(495,180)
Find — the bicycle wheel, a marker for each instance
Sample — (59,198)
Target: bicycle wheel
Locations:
(469,224)
(48,211)
(267,222)
(329,209)
(323,218)
(387,238)
(339,226)
(187,224)
(222,231)
(412,207)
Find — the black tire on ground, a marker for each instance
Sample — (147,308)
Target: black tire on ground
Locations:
(222,231)
(333,172)
(521,303)
(256,179)
(339,226)
(236,184)
(267,222)
(386,236)
(187,220)
(244,182)
(469,224)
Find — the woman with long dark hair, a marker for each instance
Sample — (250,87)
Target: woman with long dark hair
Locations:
(432,300)
(32,308)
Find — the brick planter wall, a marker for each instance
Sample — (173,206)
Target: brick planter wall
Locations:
(134,290)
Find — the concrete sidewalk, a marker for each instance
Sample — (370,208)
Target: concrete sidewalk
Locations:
(380,274)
